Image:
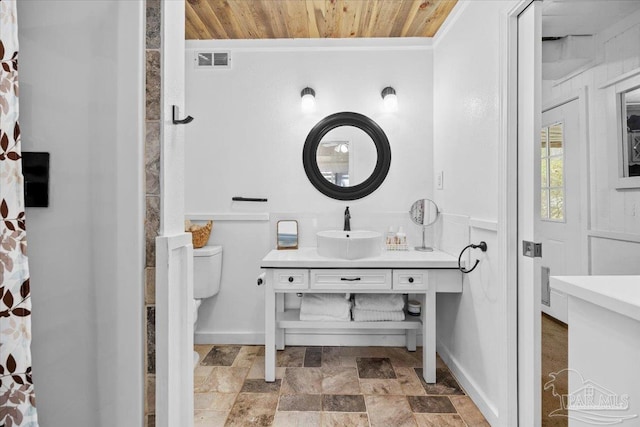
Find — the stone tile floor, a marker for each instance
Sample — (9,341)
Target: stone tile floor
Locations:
(326,386)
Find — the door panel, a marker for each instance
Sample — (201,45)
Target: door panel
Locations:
(560,236)
(529,112)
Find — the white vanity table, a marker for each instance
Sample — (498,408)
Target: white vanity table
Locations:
(404,272)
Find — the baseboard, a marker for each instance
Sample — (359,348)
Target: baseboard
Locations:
(475,393)
(244,338)
(309,338)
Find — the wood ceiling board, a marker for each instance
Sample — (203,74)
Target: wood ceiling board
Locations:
(243,12)
(296,20)
(224,14)
(314,16)
(408,9)
(420,19)
(211,22)
(388,11)
(441,12)
(350,18)
(277,20)
(195,28)
(330,19)
(266,19)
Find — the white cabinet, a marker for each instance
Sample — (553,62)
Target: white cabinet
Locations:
(410,281)
(351,280)
(294,279)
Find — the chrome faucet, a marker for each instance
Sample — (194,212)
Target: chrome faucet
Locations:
(347,219)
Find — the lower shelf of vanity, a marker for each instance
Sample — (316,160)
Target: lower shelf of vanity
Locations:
(291,319)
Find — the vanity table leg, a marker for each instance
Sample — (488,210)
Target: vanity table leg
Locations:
(411,339)
(429,336)
(269,333)
(279,331)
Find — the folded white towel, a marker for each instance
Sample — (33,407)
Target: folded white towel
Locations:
(323,317)
(360,315)
(332,305)
(380,302)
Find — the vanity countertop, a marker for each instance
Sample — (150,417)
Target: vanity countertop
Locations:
(620,294)
(309,258)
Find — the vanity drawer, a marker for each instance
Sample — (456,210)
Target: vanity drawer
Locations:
(410,280)
(351,280)
(291,279)
(446,280)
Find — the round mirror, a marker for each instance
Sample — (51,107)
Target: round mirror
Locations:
(346,156)
(424,212)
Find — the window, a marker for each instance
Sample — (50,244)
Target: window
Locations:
(631,133)
(552,173)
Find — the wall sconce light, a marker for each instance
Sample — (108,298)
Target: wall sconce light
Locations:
(308,102)
(389,99)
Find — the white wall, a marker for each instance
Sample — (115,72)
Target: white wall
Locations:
(81,92)
(467,131)
(614,215)
(247,139)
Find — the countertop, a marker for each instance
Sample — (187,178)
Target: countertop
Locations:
(620,294)
(309,258)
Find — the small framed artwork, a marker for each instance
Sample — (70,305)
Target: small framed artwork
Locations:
(287,234)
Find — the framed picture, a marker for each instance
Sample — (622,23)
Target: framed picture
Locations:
(287,234)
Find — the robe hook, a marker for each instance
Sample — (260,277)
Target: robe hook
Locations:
(177,121)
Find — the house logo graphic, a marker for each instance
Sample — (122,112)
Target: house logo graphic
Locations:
(591,403)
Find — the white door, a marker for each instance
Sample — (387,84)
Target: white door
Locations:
(529,82)
(557,224)
(174,251)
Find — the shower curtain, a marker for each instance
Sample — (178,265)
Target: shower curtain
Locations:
(17,401)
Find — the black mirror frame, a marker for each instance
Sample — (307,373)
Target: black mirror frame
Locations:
(377,177)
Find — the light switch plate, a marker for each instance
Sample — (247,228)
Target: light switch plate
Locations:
(440,180)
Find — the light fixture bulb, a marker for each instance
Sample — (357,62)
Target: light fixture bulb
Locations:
(389,99)
(308,102)
(342,148)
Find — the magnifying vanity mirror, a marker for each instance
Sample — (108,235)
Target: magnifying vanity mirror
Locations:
(346,156)
(424,212)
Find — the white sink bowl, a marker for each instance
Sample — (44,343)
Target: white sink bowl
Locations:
(349,244)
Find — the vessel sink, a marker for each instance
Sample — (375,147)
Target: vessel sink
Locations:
(349,244)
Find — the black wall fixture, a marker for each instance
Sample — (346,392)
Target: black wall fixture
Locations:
(175,120)
(35,169)
(310,162)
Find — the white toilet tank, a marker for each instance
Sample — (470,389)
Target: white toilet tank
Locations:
(207,269)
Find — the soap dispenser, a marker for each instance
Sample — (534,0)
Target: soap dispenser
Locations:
(391,236)
(401,237)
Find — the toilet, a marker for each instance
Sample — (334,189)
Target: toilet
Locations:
(207,270)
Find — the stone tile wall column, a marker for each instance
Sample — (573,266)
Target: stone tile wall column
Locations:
(152,190)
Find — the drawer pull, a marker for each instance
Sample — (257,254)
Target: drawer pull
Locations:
(410,279)
(290,279)
(350,280)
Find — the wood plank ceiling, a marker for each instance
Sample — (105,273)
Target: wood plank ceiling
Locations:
(273,19)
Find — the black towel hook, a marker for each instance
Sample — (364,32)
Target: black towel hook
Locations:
(482,246)
(177,121)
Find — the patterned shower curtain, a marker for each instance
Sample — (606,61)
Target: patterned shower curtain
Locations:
(17,402)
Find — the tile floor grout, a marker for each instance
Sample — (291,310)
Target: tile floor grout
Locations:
(283,388)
